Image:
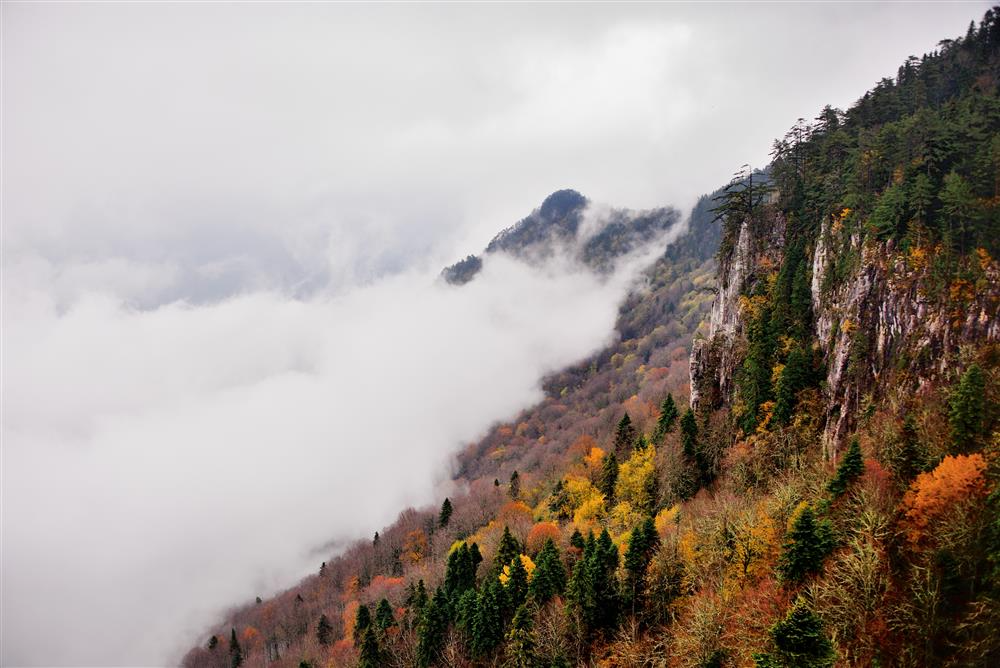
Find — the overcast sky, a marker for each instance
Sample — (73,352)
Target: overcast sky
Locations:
(221,228)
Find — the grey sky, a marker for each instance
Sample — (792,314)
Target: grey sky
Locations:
(221,227)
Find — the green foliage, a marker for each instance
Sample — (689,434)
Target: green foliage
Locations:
(592,593)
(799,641)
(370,654)
(384,618)
(625,435)
(362,622)
(432,629)
(324,631)
(445,515)
(549,578)
(689,435)
(754,380)
(609,477)
(460,573)
(516,589)
(850,468)
(794,378)
(641,546)
(668,416)
(507,550)
(521,641)
(806,547)
(966,407)
(487,624)
(889,217)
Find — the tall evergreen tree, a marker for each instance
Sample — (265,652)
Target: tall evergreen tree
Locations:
(794,378)
(506,551)
(807,545)
(487,626)
(592,590)
(668,416)
(966,407)
(460,573)
(517,584)
(689,436)
(370,654)
(625,435)
(432,629)
(755,376)
(851,467)
(445,515)
(549,578)
(324,631)
(384,618)
(235,651)
(362,622)
(641,546)
(514,491)
(609,478)
(521,641)
(799,642)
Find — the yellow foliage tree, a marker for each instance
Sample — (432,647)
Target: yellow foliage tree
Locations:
(529,566)
(636,479)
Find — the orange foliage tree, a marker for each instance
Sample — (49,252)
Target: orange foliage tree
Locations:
(944,496)
(542,532)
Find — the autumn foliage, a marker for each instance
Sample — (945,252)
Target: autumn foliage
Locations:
(944,494)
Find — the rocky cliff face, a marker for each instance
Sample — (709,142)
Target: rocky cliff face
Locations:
(878,311)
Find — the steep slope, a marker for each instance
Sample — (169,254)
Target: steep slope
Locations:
(832,494)
(582,407)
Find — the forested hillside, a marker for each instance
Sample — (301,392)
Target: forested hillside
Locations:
(824,491)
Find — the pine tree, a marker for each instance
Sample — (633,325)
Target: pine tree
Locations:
(514,491)
(808,543)
(592,590)
(549,578)
(609,478)
(640,551)
(506,551)
(460,573)
(487,625)
(799,642)
(668,416)
(576,540)
(966,406)
(213,642)
(689,436)
(851,467)
(384,618)
(324,631)
(445,515)
(432,629)
(235,651)
(521,641)
(755,377)
(517,584)
(416,600)
(370,655)
(794,377)
(362,622)
(625,435)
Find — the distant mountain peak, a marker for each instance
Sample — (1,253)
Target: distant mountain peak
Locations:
(558,222)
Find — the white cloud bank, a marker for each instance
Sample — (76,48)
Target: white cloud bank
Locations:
(160,465)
